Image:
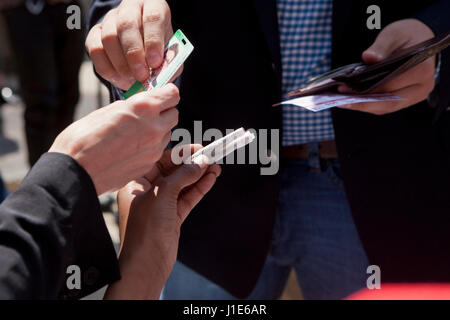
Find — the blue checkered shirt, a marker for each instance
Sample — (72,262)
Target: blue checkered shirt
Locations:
(305,39)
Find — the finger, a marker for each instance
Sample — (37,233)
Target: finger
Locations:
(423,73)
(101,62)
(129,23)
(166,165)
(160,169)
(216,169)
(169,118)
(412,95)
(156,25)
(151,103)
(113,48)
(385,44)
(167,96)
(343,88)
(186,175)
(191,197)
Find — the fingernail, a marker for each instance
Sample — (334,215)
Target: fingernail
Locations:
(153,59)
(201,161)
(140,72)
(377,55)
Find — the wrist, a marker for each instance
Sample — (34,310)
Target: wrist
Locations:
(143,276)
(148,256)
(74,149)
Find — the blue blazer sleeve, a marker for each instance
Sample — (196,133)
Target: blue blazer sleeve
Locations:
(97,11)
(436,17)
(53,220)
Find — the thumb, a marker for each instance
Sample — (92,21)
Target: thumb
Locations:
(187,174)
(385,44)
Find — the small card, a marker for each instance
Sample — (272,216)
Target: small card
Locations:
(321,102)
(176,52)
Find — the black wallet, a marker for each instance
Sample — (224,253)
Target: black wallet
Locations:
(363,78)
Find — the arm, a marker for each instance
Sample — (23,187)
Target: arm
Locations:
(46,225)
(435,16)
(416,84)
(53,220)
(151,211)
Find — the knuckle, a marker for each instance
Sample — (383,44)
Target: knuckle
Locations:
(125,23)
(151,108)
(153,17)
(108,36)
(173,90)
(94,49)
(152,40)
(139,107)
(159,131)
(133,52)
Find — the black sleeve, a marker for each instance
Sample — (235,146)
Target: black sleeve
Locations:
(53,220)
(97,11)
(436,17)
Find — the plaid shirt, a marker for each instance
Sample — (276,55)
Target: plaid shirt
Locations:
(305,39)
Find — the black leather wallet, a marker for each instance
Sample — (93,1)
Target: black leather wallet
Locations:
(363,78)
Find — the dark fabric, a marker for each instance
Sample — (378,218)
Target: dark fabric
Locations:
(48,57)
(3,190)
(395,167)
(51,221)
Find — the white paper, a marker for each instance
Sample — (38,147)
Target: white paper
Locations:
(321,102)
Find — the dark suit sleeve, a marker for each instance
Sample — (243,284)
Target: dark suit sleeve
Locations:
(53,220)
(97,11)
(436,17)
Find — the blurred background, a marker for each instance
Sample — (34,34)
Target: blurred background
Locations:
(23,76)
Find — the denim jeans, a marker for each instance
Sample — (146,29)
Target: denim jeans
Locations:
(313,233)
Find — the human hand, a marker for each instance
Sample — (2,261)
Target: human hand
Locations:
(151,211)
(415,84)
(122,141)
(130,40)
